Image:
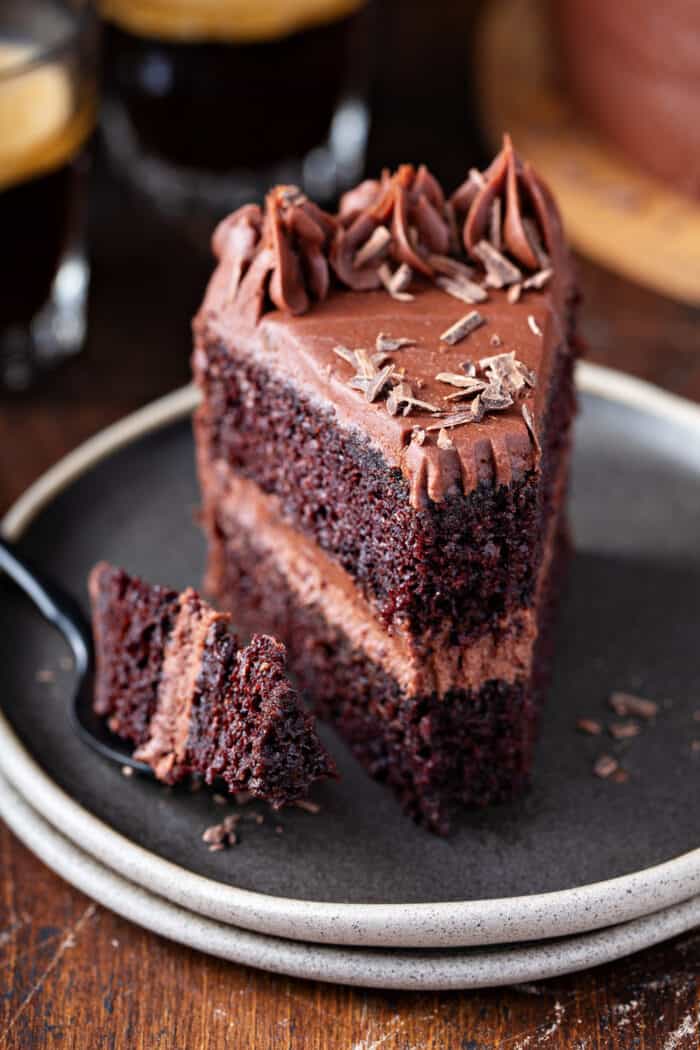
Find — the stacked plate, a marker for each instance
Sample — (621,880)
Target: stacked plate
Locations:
(582,871)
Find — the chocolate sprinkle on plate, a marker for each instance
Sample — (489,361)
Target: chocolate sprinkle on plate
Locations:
(625,705)
(589,726)
(624,730)
(605,766)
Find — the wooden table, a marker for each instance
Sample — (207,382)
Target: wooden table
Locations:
(74,975)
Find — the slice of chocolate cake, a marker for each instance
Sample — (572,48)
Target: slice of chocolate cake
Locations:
(172,678)
(383,449)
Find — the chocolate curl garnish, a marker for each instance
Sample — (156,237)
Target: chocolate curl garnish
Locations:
(411,206)
(527,223)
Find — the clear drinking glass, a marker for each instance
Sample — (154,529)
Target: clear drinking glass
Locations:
(48,51)
(209,102)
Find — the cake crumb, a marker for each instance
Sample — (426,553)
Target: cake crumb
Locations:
(590,726)
(605,766)
(307,805)
(624,730)
(626,705)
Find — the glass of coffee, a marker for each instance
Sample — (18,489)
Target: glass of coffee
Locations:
(209,102)
(47,111)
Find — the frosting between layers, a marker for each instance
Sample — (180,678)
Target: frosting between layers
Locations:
(169,727)
(319,581)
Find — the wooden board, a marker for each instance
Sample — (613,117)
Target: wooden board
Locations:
(616,215)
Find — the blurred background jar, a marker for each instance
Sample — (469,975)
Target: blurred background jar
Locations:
(209,102)
(48,54)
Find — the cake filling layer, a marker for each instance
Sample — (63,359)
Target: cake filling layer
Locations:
(170,726)
(428,666)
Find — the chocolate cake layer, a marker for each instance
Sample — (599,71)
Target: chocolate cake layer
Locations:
(469,746)
(210,707)
(468,558)
(131,623)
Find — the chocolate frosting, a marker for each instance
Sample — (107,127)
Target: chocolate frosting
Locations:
(532,325)
(280,255)
(512,186)
(286,256)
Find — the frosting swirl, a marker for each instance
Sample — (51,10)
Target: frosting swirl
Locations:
(527,217)
(286,255)
(408,208)
(280,255)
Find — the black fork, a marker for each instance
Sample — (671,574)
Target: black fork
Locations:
(62,611)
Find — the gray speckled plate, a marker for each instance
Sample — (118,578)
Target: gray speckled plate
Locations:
(412,970)
(576,855)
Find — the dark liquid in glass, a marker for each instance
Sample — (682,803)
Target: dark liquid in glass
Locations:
(35,219)
(225,106)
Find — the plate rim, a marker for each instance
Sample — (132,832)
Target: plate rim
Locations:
(410,925)
(400,970)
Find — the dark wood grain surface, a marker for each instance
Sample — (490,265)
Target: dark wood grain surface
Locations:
(74,975)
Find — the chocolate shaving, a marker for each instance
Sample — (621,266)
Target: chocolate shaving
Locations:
(533,236)
(307,805)
(377,384)
(533,325)
(418,435)
(530,424)
(463,289)
(444,440)
(589,726)
(495,224)
(469,383)
(388,345)
(469,368)
(376,246)
(495,400)
(605,766)
(538,280)
(462,328)
(500,272)
(402,394)
(624,730)
(396,282)
(365,366)
(346,354)
(449,267)
(456,420)
(514,293)
(495,341)
(625,705)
